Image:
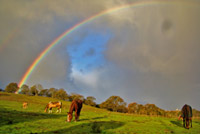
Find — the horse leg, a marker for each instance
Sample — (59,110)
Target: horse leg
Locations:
(58,110)
(76,116)
(50,110)
(191,122)
(183,122)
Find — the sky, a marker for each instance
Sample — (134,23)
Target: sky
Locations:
(144,54)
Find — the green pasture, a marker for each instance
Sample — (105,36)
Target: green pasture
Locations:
(16,120)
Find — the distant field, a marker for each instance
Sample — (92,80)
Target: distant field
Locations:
(15,120)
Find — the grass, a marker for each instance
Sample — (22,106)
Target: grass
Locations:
(15,120)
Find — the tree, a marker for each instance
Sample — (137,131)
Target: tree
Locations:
(43,92)
(114,103)
(133,108)
(25,89)
(39,87)
(34,90)
(152,109)
(51,92)
(148,109)
(75,96)
(61,94)
(90,101)
(11,88)
(141,109)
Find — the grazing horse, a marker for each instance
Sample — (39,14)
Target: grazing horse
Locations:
(25,105)
(186,114)
(76,106)
(50,105)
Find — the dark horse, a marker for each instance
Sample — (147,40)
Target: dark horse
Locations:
(51,105)
(186,114)
(76,106)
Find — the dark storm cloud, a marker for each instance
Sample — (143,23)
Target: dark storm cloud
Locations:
(163,51)
(152,57)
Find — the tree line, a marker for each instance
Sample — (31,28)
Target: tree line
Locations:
(113,103)
(38,90)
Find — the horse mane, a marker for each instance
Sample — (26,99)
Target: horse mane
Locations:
(72,107)
(76,104)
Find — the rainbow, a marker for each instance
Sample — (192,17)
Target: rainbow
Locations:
(78,25)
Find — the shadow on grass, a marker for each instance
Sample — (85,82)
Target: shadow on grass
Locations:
(8,117)
(177,123)
(85,128)
(95,118)
(197,122)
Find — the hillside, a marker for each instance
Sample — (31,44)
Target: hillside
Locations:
(15,119)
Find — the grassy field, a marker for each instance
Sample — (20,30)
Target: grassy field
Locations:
(14,119)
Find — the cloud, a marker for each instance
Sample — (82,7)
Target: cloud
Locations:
(90,79)
(53,69)
(147,44)
(47,11)
(163,49)
(151,54)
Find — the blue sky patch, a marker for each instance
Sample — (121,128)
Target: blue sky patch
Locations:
(87,54)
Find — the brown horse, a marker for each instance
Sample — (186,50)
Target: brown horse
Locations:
(76,106)
(25,105)
(51,105)
(186,114)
